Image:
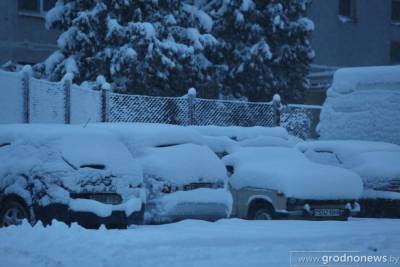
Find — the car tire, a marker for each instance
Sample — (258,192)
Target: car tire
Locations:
(263,212)
(12,213)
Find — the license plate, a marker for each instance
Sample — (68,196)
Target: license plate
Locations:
(328,212)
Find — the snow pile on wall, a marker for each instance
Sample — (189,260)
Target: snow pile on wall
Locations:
(267,167)
(363,103)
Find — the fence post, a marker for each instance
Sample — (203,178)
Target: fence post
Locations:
(26,77)
(191,96)
(67,82)
(277,106)
(104,101)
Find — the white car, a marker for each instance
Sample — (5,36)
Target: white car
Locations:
(280,182)
(377,163)
(183,177)
(68,173)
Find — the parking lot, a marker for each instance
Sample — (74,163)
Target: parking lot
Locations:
(230,242)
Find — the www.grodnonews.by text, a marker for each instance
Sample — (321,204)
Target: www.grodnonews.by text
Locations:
(339,258)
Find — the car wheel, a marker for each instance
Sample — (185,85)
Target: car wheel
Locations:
(12,213)
(263,212)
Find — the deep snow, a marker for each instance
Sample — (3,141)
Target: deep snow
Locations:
(194,243)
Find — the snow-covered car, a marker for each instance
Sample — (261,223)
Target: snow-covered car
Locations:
(377,163)
(280,182)
(184,178)
(224,140)
(68,173)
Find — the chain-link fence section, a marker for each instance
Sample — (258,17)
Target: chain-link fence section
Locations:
(137,108)
(231,113)
(41,101)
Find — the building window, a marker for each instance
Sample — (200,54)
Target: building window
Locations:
(347,10)
(396,11)
(29,5)
(395,52)
(38,7)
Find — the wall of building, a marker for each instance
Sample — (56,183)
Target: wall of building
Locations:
(23,38)
(366,41)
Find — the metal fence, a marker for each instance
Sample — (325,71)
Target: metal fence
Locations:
(38,101)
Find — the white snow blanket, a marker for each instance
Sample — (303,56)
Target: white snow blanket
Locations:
(288,171)
(230,243)
(376,162)
(363,103)
(183,164)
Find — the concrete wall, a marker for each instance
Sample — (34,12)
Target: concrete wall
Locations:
(366,41)
(23,38)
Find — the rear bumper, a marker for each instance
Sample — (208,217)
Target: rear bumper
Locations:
(311,212)
(184,211)
(61,212)
(214,204)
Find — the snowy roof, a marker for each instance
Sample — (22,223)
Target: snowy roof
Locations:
(349,79)
(287,170)
(183,164)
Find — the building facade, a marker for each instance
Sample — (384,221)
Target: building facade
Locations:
(23,36)
(351,33)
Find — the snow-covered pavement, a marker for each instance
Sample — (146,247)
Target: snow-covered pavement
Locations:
(196,243)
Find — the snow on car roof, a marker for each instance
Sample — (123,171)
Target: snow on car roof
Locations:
(183,164)
(287,170)
(79,147)
(220,144)
(153,134)
(348,148)
(371,160)
(266,141)
(242,133)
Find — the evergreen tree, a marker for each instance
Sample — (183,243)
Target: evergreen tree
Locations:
(151,47)
(264,46)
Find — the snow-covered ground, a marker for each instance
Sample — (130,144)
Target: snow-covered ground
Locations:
(197,243)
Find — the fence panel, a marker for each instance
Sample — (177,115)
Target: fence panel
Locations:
(229,113)
(300,120)
(85,105)
(136,108)
(46,102)
(11,98)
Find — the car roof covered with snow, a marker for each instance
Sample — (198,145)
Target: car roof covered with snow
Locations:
(152,134)
(183,164)
(371,160)
(288,171)
(241,133)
